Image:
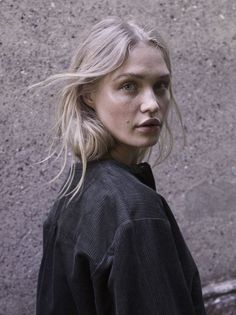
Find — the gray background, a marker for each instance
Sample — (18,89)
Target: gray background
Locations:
(38,39)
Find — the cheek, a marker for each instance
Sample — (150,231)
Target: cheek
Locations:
(166,105)
(114,110)
(112,117)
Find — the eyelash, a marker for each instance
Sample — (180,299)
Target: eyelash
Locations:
(124,86)
(160,86)
(164,84)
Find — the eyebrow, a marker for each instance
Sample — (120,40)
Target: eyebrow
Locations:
(140,76)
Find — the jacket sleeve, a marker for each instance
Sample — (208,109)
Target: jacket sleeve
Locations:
(145,275)
(53,294)
(64,286)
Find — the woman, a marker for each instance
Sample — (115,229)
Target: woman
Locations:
(111,243)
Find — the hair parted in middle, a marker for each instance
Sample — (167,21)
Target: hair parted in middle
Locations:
(105,49)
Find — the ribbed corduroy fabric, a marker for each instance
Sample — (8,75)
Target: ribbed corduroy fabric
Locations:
(116,250)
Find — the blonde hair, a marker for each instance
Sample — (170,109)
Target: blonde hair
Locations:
(105,49)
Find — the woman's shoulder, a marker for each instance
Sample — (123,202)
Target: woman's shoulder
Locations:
(111,196)
(112,189)
(111,193)
(126,190)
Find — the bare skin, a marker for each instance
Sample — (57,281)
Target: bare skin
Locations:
(126,99)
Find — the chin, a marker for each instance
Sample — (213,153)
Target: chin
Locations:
(147,144)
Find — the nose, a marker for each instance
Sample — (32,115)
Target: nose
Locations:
(149,102)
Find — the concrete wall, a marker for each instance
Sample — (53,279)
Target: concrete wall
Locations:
(37,39)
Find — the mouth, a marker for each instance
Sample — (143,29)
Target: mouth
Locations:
(152,122)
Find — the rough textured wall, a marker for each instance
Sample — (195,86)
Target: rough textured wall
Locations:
(37,39)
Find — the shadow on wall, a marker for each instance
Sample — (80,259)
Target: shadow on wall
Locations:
(220,298)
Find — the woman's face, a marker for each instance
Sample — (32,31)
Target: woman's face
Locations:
(132,102)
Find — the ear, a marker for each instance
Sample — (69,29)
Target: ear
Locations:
(89,99)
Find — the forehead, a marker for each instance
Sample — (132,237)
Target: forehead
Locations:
(144,60)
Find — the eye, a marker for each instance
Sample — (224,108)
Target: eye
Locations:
(129,86)
(161,87)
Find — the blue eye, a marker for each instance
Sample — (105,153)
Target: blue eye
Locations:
(129,86)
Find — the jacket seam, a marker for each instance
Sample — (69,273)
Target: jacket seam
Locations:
(109,251)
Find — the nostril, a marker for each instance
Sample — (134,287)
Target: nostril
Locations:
(151,106)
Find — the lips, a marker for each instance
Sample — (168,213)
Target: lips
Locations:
(152,122)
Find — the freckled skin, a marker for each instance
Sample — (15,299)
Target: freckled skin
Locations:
(123,103)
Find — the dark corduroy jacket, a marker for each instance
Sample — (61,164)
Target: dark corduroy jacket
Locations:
(116,250)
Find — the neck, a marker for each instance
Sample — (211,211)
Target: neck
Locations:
(128,156)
